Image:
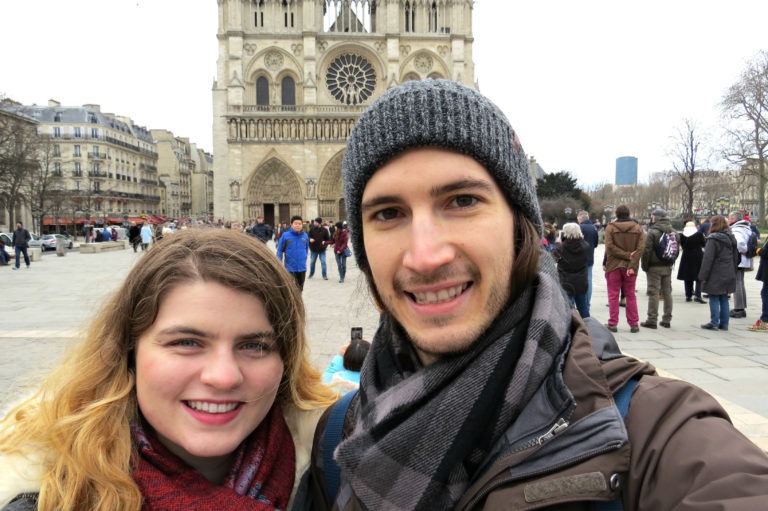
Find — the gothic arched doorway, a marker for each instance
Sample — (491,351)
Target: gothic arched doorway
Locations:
(274,192)
(330,196)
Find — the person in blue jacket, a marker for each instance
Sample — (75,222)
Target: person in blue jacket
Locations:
(292,250)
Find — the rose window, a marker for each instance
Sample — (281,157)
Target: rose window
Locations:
(351,79)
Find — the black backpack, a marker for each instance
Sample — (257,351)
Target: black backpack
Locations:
(751,245)
(668,248)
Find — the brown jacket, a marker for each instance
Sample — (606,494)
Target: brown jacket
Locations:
(623,237)
(683,453)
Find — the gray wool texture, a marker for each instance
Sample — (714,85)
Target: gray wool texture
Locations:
(434,113)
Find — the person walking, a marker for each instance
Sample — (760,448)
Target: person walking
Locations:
(146,236)
(692,244)
(134,235)
(718,272)
(319,237)
(742,232)
(572,258)
(20,242)
(341,249)
(658,272)
(262,230)
(482,388)
(292,250)
(589,231)
(623,249)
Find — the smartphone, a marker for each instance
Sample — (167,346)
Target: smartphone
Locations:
(357,333)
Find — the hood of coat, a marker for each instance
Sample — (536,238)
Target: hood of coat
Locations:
(726,238)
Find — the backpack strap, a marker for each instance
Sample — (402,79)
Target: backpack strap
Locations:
(621,397)
(332,438)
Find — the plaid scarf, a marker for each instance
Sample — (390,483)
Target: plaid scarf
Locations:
(423,432)
(261,477)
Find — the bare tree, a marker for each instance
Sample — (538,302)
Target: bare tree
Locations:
(43,184)
(18,159)
(685,156)
(746,103)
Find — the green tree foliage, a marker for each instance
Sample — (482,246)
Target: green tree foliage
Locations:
(558,184)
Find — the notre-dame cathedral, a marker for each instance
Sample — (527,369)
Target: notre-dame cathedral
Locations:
(294,75)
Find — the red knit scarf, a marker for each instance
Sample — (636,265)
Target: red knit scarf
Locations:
(261,477)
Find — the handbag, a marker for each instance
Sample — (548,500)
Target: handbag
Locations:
(347,252)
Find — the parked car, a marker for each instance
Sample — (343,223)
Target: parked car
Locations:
(8,236)
(49,241)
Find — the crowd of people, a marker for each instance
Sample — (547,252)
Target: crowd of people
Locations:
(714,255)
(482,388)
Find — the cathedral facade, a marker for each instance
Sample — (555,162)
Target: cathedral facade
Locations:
(293,76)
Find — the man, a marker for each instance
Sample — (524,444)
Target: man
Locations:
(589,231)
(261,230)
(623,248)
(658,272)
(134,235)
(20,243)
(741,231)
(482,389)
(292,250)
(318,242)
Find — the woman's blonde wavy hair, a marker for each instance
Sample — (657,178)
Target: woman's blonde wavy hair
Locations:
(80,417)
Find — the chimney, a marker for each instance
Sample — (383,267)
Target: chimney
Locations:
(53,102)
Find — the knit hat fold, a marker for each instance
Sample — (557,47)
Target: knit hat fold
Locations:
(435,113)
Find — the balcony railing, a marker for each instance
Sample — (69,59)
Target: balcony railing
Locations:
(96,173)
(97,156)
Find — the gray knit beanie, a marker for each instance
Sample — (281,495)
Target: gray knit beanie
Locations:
(434,113)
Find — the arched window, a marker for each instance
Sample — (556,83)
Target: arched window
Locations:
(433,18)
(262,93)
(288,93)
(408,27)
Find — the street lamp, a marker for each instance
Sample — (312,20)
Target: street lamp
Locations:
(567,212)
(723,204)
(87,225)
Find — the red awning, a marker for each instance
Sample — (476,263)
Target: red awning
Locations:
(114,220)
(47,220)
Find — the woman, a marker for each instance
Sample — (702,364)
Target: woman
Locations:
(572,256)
(761,325)
(718,272)
(344,370)
(341,249)
(692,242)
(191,390)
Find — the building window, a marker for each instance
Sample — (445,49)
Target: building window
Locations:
(288,14)
(351,79)
(410,17)
(92,118)
(94,133)
(77,150)
(433,17)
(56,150)
(56,132)
(57,168)
(77,185)
(288,89)
(262,93)
(95,150)
(78,132)
(57,117)
(258,16)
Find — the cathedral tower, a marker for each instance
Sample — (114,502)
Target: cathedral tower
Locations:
(293,76)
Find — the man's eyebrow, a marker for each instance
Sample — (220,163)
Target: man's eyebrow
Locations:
(461,184)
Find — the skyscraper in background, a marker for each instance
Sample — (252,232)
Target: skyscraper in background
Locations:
(626,170)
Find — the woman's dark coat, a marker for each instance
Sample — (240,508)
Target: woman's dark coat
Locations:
(693,253)
(718,268)
(572,256)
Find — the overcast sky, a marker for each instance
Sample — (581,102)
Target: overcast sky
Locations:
(581,82)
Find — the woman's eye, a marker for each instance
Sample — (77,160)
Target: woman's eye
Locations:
(184,343)
(464,201)
(257,348)
(386,214)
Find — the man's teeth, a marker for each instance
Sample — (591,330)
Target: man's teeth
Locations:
(204,406)
(443,295)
